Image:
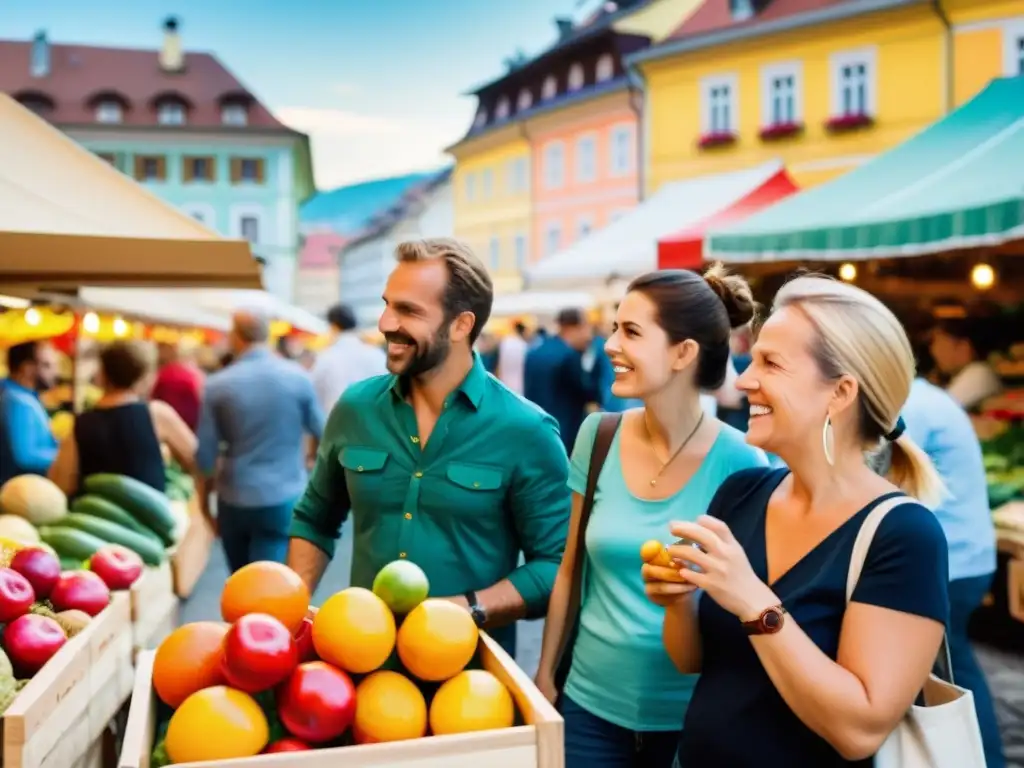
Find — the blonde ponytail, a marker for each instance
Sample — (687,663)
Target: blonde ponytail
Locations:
(913,472)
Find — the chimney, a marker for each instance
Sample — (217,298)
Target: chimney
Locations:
(172,58)
(40,63)
(565,27)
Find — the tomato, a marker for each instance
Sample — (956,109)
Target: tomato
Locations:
(304,639)
(217,723)
(259,652)
(317,703)
(286,745)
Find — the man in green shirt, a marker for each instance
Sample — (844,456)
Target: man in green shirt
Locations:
(439,462)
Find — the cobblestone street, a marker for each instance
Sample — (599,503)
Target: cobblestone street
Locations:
(1005,671)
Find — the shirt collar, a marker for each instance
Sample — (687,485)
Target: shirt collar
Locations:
(471,388)
(254,353)
(12,384)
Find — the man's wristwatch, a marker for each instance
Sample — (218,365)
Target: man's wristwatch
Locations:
(475,609)
(768,623)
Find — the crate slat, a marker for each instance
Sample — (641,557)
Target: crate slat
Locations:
(538,744)
(192,553)
(154,606)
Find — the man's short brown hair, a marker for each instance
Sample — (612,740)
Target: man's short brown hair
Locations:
(469,287)
(125,363)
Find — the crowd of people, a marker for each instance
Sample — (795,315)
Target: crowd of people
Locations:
(506,470)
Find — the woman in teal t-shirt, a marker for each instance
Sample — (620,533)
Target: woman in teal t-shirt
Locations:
(624,700)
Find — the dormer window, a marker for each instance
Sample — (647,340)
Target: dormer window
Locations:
(550,88)
(525,100)
(36,101)
(502,110)
(741,9)
(234,114)
(171,113)
(481,118)
(109,111)
(605,69)
(575,77)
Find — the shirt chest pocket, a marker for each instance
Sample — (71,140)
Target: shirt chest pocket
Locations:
(364,473)
(474,489)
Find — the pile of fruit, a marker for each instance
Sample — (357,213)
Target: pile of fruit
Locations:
(368,666)
(114,510)
(43,606)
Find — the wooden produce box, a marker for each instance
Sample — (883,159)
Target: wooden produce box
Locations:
(59,718)
(154,607)
(192,553)
(538,744)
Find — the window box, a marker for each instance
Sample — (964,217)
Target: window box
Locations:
(846,123)
(716,139)
(780,131)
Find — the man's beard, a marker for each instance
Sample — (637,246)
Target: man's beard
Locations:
(427,355)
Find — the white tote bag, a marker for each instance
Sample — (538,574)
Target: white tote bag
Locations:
(943,733)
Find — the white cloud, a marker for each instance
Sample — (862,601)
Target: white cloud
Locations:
(349,147)
(345,89)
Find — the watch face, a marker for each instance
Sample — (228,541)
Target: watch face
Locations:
(771,621)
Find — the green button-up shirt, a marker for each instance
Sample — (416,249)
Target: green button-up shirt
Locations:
(489,483)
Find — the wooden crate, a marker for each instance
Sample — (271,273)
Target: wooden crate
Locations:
(538,744)
(192,553)
(59,718)
(154,607)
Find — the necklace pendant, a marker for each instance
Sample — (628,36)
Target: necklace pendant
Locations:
(654,482)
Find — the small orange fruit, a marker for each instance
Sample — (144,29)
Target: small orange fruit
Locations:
(266,587)
(390,708)
(188,660)
(474,700)
(437,640)
(216,723)
(354,630)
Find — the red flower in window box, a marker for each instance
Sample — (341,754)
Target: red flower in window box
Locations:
(780,131)
(848,123)
(716,139)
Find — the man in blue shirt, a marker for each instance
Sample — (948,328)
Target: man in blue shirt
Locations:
(27,445)
(941,427)
(253,428)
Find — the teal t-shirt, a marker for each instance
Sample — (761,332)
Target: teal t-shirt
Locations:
(620,669)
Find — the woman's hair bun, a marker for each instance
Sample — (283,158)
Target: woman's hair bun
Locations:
(734,292)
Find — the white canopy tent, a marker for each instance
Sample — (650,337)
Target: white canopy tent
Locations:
(544,303)
(629,246)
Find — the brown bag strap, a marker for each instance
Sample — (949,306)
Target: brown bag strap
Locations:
(606,429)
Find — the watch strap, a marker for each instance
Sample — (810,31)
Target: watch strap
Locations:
(475,609)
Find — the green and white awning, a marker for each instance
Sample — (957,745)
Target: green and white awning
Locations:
(957,184)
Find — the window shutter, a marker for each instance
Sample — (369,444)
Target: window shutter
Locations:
(161,168)
(211,169)
(140,167)
(259,171)
(187,169)
(236,170)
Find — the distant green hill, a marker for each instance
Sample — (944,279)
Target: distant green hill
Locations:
(346,210)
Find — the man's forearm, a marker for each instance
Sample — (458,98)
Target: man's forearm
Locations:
(501,602)
(307,560)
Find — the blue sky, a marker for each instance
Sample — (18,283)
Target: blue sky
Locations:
(376,83)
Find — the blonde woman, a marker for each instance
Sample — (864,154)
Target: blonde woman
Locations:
(790,674)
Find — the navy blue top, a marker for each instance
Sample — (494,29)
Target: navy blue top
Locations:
(736,717)
(554,379)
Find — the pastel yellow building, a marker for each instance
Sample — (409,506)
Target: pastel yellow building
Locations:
(822,86)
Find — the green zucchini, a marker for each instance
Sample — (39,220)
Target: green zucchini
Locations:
(97,506)
(146,504)
(151,552)
(71,543)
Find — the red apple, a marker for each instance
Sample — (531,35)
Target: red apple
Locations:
(118,566)
(304,639)
(30,642)
(259,652)
(16,595)
(41,568)
(80,591)
(286,745)
(317,703)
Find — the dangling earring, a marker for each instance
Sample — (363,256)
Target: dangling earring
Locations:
(826,435)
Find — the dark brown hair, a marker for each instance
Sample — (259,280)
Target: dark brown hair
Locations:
(125,363)
(469,286)
(703,308)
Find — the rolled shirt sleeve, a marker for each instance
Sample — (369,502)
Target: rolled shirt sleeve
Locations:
(541,504)
(325,505)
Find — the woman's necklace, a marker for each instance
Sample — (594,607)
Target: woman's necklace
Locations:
(654,480)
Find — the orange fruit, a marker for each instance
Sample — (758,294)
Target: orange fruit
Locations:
(266,587)
(437,640)
(188,660)
(216,723)
(474,700)
(390,708)
(354,630)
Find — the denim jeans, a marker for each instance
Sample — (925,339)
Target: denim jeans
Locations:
(591,742)
(965,595)
(250,534)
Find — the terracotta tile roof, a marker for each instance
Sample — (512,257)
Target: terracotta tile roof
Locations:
(321,249)
(80,72)
(715,15)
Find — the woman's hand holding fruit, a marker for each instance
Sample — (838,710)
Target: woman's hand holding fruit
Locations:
(664,583)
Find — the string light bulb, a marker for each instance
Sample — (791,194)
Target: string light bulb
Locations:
(91,323)
(32,316)
(983,276)
(848,272)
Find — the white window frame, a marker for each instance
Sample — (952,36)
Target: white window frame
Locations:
(550,88)
(577,77)
(494,252)
(239,212)
(487,183)
(501,112)
(588,142)
(604,70)
(204,213)
(552,232)
(525,100)
(770,73)
(614,168)
(1013,56)
(584,221)
(521,250)
(470,187)
(868,56)
(172,113)
(235,115)
(708,86)
(515,176)
(109,112)
(741,10)
(554,172)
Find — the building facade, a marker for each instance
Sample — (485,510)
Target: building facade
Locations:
(822,86)
(182,126)
(426,210)
(318,278)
